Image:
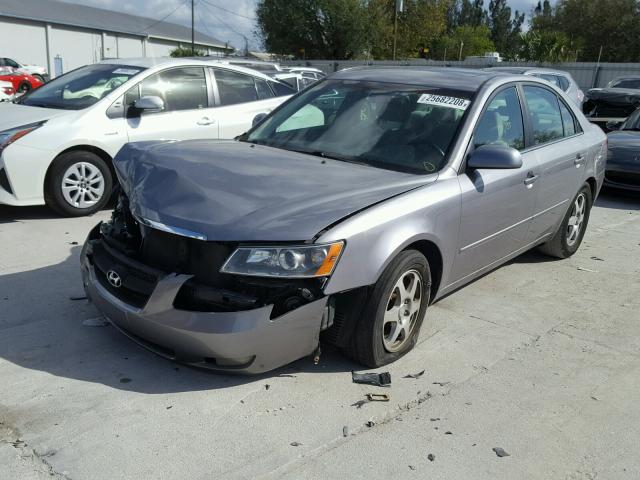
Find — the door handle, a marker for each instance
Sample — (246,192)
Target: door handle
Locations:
(579,159)
(206,121)
(531,177)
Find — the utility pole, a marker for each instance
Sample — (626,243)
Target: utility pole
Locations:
(399,8)
(460,54)
(193,30)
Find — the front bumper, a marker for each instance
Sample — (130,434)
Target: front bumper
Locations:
(243,342)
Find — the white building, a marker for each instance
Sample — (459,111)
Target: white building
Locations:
(63,36)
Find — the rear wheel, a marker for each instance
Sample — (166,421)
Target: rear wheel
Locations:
(38,77)
(78,184)
(23,88)
(393,315)
(568,238)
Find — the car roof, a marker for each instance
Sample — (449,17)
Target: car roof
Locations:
(152,62)
(466,79)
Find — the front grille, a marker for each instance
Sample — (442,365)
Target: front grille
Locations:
(4,181)
(138,281)
(624,178)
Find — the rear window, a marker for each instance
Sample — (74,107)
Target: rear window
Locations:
(632,83)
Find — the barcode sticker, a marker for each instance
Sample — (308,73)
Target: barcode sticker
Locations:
(444,101)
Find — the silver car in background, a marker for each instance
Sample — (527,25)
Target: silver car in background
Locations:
(341,216)
(561,79)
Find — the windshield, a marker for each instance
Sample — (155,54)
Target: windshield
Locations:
(80,88)
(632,83)
(397,127)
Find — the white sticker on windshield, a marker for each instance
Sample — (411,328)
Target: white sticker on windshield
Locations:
(125,71)
(444,101)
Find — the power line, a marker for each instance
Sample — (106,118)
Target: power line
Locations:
(165,17)
(228,11)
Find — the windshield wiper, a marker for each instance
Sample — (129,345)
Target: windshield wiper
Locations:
(329,155)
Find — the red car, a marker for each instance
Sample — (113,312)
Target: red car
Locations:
(22,82)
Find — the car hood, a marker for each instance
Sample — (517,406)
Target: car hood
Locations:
(621,96)
(14,115)
(236,191)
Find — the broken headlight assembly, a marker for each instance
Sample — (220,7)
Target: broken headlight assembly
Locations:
(299,261)
(7,137)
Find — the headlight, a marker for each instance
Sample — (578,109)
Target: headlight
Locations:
(7,137)
(303,261)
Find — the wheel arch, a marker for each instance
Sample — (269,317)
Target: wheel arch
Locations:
(434,257)
(80,148)
(593,185)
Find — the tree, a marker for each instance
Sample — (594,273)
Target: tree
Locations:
(472,13)
(331,29)
(545,46)
(181,51)
(421,23)
(474,41)
(505,31)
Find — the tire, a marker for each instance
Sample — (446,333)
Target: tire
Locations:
(24,88)
(371,343)
(38,77)
(566,241)
(84,170)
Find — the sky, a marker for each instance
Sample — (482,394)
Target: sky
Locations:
(222,19)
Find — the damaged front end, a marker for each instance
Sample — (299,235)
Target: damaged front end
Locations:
(166,291)
(610,105)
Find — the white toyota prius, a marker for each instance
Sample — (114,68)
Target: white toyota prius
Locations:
(57,142)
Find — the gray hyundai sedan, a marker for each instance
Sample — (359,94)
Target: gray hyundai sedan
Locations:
(341,216)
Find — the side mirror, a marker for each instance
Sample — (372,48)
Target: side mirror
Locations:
(258,118)
(613,125)
(494,157)
(149,103)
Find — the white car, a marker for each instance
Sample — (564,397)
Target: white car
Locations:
(308,72)
(36,70)
(7,92)
(57,142)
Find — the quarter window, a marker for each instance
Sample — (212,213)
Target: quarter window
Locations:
(568,120)
(280,89)
(544,114)
(501,123)
(180,89)
(263,89)
(235,87)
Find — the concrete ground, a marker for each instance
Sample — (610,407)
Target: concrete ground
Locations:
(540,358)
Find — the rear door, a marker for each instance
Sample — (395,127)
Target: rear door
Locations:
(239,98)
(187,113)
(497,204)
(557,143)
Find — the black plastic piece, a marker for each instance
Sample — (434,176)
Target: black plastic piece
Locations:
(378,379)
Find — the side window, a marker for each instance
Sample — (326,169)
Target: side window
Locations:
(281,89)
(564,83)
(568,120)
(235,87)
(180,88)
(11,63)
(544,113)
(501,123)
(263,89)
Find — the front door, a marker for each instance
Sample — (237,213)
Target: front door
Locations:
(497,205)
(187,113)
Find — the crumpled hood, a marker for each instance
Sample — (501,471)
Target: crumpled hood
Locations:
(235,191)
(624,146)
(618,96)
(14,115)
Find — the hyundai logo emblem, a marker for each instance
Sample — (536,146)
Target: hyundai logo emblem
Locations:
(114,279)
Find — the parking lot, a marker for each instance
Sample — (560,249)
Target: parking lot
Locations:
(539,358)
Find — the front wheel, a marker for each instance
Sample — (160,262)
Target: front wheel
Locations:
(568,238)
(78,184)
(393,315)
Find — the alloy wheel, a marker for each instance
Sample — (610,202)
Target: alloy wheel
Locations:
(576,219)
(403,307)
(82,185)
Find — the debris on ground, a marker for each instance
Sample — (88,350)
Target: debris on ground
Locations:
(295,444)
(370,423)
(95,322)
(448,432)
(442,384)
(582,269)
(169,407)
(345,431)
(378,397)
(359,403)
(287,375)
(412,467)
(434,419)
(73,243)
(597,259)
(415,375)
(431,457)
(267,386)
(500,452)
(378,379)
(77,298)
